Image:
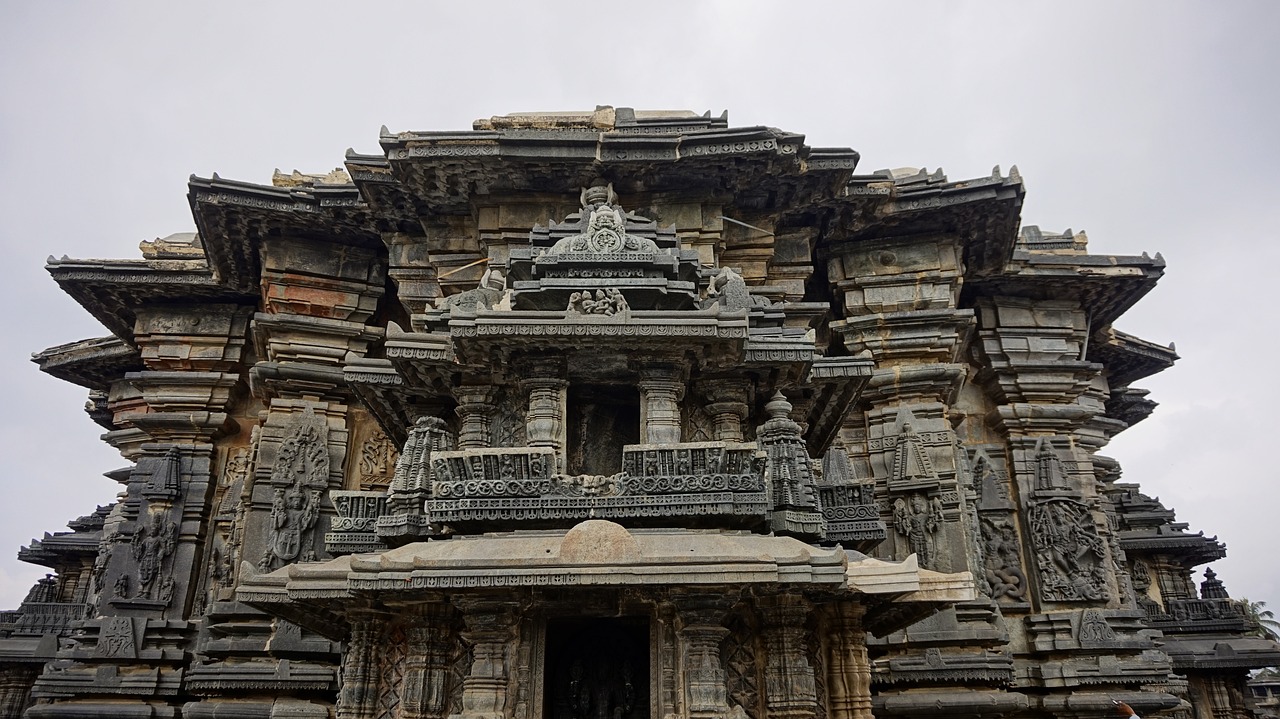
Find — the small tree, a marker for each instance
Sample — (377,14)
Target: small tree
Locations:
(1263,620)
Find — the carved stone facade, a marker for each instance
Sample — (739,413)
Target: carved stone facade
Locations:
(618,415)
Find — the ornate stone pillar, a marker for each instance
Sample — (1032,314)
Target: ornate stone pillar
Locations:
(727,405)
(848,670)
(475,409)
(661,389)
(790,688)
(702,631)
(359,696)
(491,632)
(544,382)
(426,675)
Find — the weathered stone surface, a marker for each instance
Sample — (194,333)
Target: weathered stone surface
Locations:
(618,413)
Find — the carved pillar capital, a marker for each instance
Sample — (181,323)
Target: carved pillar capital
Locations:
(662,386)
(727,405)
(475,409)
(429,633)
(545,426)
(358,698)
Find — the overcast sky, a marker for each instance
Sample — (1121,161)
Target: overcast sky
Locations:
(1153,126)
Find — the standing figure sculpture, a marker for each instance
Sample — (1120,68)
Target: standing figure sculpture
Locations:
(917,521)
(292,514)
(151,546)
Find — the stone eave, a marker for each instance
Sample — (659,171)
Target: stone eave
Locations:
(398,207)
(1196,549)
(56,551)
(233,216)
(598,553)
(28,649)
(1223,652)
(1105,285)
(983,212)
(764,168)
(112,290)
(1126,357)
(92,363)
(475,335)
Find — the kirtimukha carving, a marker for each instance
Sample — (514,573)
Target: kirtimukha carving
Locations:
(606,234)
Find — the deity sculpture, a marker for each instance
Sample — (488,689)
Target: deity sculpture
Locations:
(151,546)
(918,520)
(292,514)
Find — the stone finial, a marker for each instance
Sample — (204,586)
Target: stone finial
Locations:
(1212,587)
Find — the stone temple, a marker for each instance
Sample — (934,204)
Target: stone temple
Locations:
(618,414)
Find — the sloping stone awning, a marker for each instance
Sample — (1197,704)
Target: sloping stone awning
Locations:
(599,553)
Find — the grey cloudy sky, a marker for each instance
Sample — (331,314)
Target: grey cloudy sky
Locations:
(1150,124)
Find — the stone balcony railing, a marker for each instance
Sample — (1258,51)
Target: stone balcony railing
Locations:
(35,619)
(696,484)
(1181,616)
(721,480)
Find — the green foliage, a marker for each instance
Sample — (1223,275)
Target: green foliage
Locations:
(1263,620)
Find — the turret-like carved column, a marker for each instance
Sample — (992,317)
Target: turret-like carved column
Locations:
(848,671)
(490,631)
(406,518)
(475,408)
(661,389)
(790,688)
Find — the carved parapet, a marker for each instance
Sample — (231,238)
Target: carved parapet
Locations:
(1191,616)
(683,480)
(355,529)
(851,515)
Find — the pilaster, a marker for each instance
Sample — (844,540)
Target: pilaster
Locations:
(790,688)
(662,386)
(490,631)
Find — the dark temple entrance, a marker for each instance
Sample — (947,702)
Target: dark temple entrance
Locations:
(597,669)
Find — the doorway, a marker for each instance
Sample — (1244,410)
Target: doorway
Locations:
(597,669)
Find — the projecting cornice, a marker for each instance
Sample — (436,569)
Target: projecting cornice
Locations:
(233,217)
(113,290)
